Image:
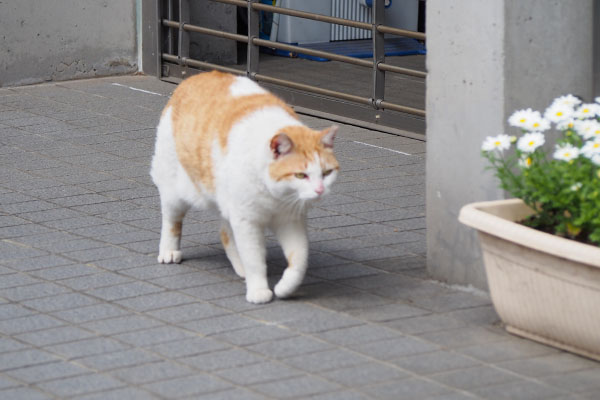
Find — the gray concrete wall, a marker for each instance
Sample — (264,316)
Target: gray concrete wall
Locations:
(486,59)
(66,39)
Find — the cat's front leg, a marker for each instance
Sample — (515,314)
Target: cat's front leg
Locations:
(294,240)
(250,243)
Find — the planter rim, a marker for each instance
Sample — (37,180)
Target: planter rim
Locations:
(482,216)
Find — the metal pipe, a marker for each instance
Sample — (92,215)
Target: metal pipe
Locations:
(400,32)
(316,53)
(405,109)
(400,70)
(206,31)
(200,64)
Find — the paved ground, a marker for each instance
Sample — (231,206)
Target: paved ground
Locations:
(87,313)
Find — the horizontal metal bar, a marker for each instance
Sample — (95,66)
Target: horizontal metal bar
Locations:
(300,14)
(295,85)
(313,89)
(400,32)
(190,62)
(396,107)
(311,52)
(206,31)
(400,70)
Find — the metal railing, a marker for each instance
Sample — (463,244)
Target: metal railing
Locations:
(378,65)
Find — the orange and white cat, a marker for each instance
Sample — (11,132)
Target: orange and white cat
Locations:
(225,142)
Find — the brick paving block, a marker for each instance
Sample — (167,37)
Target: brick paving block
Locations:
(8,345)
(9,251)
(176,281)
(16,280)
(124,290)
(301,387)
(475,377)
(28,324)
(54,336)
(24,393)
(118,359)
(222,359)
(189,347)
(255,334)
(65,272)
(392,313)
(259,373)
(294,346)
(97,254)
(90,313)
(396,347)
(151,372)
(326,360)
(121,324)
(351,336)
(217,290)
(155,301)
(507,350)
(220,324)
(412,388)
(365,374)
(547,365)
(128,393)
(522,390)
(187,312)
(187,386)
(47,372)
(575,381)
(25,358)
(78,385)
(426,323)
(463,337)
(10,311)
(87,347)
(147,338)
(435,362)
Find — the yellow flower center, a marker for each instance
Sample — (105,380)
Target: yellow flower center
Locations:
(585,110)
(528,161)
(596,145)
(531,143)
(522,120)
(559,114)
(497,143)
(567,154)
(536,124)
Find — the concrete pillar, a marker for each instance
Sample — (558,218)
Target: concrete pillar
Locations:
(486,59)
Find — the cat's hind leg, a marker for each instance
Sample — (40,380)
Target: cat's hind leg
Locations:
(173,211)
(228,241)
(293,238)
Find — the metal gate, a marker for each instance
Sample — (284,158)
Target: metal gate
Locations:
(173,63)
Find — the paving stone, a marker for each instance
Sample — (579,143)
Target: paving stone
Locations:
(10,311)
(474,377)
(434,362)
(128,393)
(24,358)
(65,272)
(152,372)
(48,372)
(394,348)
(87,347)
(575,381)
(121,324)
(396,313)
(302,387)
(59,302)
(52,336)
(351,336)
(255,334)
(326,360)
(80,385)
(222,359)
(406,389)
(522,390)
(152,336)
(118,359)
(365,374)
(90,313)
(188,312)
(258,373)
(24,393)
(552,364)
(124,290)
(189,347)
(187,386)
(220,324)
(290,347)
(27,324)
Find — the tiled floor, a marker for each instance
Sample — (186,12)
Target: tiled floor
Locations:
(87,313)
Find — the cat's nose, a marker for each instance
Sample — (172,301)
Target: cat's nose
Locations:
(320,188)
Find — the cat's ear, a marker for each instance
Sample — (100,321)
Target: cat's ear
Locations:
(329,136)
(281,145)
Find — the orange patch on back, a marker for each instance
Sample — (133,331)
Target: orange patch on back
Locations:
(176,229)
(203,111)
(306,142)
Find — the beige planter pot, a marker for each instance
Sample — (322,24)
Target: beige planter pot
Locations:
(544,287)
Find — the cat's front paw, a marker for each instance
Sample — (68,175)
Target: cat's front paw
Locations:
(259,296)
(169,257)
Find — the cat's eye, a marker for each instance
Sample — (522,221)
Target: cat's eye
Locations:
(327,172)
(300,175)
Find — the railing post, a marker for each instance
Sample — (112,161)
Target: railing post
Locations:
(378,13)
(253,32)
(183,51)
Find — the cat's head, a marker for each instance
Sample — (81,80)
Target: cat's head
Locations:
(303,162)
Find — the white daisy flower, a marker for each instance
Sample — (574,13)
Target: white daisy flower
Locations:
(568,123)
(500,143)
(568,100)
(523,118)
(576,186)
(597,99)
(596,160)
(531,141)
(558,112)
(566,153)
(588,128)
(525,162)
(538,124)
(591,147)
(587,110)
